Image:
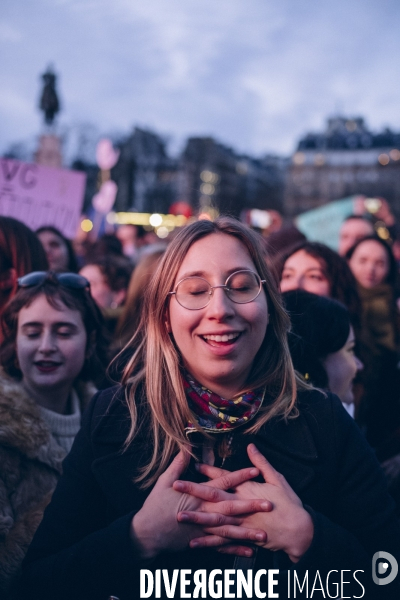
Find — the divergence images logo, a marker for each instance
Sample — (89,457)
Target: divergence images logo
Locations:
(380,568)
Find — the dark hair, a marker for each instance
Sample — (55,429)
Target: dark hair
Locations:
(20,248)
(320,326)
(343,285)
(392,275)
(56,294)
(107,245)
(72,265)
(117,271)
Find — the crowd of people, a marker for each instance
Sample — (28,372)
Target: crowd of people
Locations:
(219,400)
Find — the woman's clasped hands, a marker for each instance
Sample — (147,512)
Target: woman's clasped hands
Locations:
(287,525)
(164,521)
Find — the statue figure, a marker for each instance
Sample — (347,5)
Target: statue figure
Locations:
(49,102)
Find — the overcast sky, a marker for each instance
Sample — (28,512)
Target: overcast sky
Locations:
(254,74)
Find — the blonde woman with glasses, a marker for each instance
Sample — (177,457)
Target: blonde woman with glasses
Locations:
(212,454)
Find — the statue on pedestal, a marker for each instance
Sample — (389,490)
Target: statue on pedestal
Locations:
(49,151)
(49,102)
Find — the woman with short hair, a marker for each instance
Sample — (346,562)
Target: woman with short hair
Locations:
(52,354)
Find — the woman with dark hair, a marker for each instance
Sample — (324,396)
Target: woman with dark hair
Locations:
(314,267)
(59,250)
(20,253)
(211,383)
(53,351)
(374,267)
(321,342)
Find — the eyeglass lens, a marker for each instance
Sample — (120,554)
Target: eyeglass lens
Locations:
(241,287)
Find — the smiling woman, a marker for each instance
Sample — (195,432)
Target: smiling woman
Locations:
(159,475)
(53,347)
(218,329)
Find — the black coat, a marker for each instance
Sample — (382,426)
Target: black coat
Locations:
(82,549)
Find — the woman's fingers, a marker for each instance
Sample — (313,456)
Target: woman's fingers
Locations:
(209,471)
(232,479)
(210,490)
(200,490)
(226,533)
(233,508)
(236,532)
(267,470)
(207,519)
(236,550)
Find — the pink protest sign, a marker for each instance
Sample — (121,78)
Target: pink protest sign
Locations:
(38,195)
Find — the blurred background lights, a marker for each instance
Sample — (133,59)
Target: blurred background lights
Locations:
(372,204)
(146,219)
(351,125)
(111,218)
(319,160)
(299,158)
(86,225)
(207,188)
(162,232)
(242,167)
(382,230)
(209,177)
(155,220)
(383,159)
(394,154)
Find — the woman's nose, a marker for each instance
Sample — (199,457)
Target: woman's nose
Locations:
(220,305)
(47,343)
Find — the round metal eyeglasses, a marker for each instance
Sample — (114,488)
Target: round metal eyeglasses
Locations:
(195,293)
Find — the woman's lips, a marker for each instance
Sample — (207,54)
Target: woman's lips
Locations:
(45,366)
(222,341)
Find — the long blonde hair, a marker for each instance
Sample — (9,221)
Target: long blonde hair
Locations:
(156,362)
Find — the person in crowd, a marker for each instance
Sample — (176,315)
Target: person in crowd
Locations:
(353,229)
(129,236)
(129,319)
(278,242)
(134,238)
(314,267)
(322,343)
(211,383)
(374,267)
(109,279)
(53,352)
(20,253)
(59,250)
(107,245)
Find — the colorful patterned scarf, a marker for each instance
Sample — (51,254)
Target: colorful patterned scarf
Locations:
(216,414)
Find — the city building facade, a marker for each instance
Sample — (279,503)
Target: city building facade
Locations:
(346,159)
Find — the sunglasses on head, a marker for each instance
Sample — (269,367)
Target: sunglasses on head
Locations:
(68,280)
